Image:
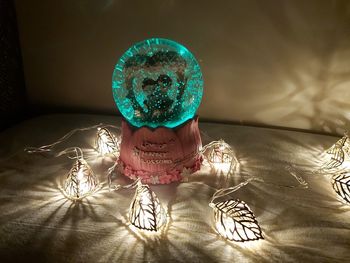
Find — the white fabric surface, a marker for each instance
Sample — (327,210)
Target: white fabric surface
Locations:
(38,224)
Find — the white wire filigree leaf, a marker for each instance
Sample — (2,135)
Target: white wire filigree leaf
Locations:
(146,211)
(80,181)
(221,153)
(235,221)
(337,154)
(220,156)
(106,142)
(341,185)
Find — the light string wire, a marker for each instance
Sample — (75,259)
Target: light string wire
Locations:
(226,191)
(113,187)
(291,169)
(77,150)
(48,147)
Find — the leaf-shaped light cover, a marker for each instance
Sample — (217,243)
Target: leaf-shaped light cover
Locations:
(221,152)
(157,82)
(220,156)
(146,212)
(235,221)
(337,153)
(81,181)
(341,185)
(106,142)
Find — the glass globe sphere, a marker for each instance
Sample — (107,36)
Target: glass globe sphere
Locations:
(157,82)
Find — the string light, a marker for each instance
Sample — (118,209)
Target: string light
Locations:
(341,185)
(146,212)
(80,181)
(233,218)
(220,153)
(220,156)
(235,221)
(338,153)
(339,159)
(106,142)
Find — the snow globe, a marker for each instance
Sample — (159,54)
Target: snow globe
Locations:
(157,85)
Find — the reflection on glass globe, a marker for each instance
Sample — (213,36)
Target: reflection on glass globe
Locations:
(157,82)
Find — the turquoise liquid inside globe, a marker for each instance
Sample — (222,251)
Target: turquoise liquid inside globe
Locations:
(157,82)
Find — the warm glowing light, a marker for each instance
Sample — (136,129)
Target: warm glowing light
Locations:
(341,185)
(339,153)
(106,142)
(80,181)
(235,221)
(220,153)
(146,212)
(224,168)
(220,156)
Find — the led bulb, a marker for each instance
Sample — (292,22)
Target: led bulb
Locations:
(146,212)
(235,221)
(106,142)
(80,181)
(221,157)
(221,153)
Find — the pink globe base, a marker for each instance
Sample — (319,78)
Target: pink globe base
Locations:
(160,155)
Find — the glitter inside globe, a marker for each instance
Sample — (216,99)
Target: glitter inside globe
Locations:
(157,82)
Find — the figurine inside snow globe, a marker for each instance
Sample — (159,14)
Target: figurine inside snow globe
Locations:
(157,85)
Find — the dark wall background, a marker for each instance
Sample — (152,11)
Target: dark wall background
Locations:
(268,62)
(12,90)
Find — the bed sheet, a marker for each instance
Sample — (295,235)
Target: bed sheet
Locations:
(37,224)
